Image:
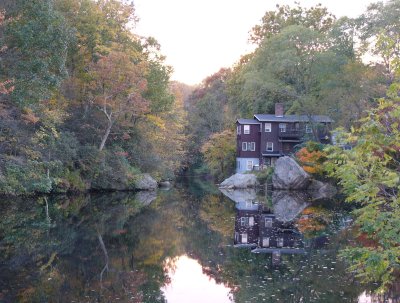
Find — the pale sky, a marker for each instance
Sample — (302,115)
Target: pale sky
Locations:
(198,37)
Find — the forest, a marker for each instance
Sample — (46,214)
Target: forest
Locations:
(86,103)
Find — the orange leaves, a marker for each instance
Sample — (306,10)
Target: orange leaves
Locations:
(118,84)
(7,87)
(311,161)
(29,117)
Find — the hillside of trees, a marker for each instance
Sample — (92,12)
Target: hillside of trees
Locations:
(87,103)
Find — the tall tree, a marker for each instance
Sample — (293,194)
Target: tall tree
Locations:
(37,39)
(273,22)
(117,88)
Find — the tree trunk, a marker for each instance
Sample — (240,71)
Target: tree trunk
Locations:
(104,139)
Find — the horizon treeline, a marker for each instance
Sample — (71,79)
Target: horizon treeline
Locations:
(88,104)
(305,58)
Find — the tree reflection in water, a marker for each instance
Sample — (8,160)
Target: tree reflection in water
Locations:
(138,238)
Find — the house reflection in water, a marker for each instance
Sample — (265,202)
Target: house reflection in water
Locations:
(257,227)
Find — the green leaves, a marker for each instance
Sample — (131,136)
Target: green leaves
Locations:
(37,39)
(370,176)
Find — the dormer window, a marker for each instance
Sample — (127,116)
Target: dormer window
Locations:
(267,127)
(246,129)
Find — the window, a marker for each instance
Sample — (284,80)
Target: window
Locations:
(308,129)
(249,165)
(279,242)
(267,161)
(265,242)
(252,146)
(239,129)
(244,238)
(282,127)
(244,221)
(244,146)
(268,222)
(246,129)
(267,127)
(251,221)
(270,146)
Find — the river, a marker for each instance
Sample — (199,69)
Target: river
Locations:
(191,243)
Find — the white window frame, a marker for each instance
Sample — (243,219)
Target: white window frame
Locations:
(268,221)
(272,146)
(244,221)
(265,241)
(244,146)
(308,129)
(282,127)
(239,129)
(252,146)
(268,127)
(246,129)
(249,164)
(280,242)
(244,239)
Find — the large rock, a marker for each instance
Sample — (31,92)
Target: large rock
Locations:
(287,205)
(240,181)
(320,190)
(146,197)
(145,182)
(289,175)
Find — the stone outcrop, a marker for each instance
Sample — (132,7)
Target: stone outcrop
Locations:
(288,175)
(240,181)
(145,182)
(287,205)
(320,190)
(146,197)
(247,195)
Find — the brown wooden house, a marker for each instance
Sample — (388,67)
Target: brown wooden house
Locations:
(261,140)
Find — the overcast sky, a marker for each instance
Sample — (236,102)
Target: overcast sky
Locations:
(199,37)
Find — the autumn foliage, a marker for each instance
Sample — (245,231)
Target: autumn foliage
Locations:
(311,158)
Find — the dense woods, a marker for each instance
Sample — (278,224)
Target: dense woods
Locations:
(85,102)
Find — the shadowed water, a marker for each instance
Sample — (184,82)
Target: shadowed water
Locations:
(191,244)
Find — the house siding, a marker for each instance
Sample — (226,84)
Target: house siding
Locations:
(283,142)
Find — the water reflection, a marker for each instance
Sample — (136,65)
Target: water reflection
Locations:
(268,229)
(188,283)
(129,248)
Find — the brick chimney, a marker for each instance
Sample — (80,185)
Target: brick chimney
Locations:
(278,109)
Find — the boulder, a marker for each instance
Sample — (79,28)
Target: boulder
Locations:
(240,195)
(288,175)
(287,205)
(145,182)
(240,181)
(146,197)
(320,190)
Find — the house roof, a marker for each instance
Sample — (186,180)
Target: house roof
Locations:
(247,121)
(291,118)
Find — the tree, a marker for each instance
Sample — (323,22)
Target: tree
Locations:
(379,30)
(273,22)
(37,39)
(370,177)
(117,88)
(219,153)
(294,66)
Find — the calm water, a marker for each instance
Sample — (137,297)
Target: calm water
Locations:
(192,244)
